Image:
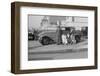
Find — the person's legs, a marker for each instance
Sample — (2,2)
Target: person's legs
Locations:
(66,41)
(62,38)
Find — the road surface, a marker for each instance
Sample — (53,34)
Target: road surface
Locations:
(36,51)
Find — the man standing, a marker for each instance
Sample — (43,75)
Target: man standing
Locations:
(59,33)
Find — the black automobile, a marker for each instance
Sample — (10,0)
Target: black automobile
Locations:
(31,35)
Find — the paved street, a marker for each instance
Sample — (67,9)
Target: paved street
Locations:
(36,51)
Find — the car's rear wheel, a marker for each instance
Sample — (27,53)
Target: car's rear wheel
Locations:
(77,38)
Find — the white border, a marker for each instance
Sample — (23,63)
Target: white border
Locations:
(25,64)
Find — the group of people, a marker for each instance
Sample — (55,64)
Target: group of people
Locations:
(68,38)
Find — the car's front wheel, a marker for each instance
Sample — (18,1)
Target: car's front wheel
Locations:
(45,41)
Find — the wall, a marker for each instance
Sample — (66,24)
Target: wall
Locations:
(5,33)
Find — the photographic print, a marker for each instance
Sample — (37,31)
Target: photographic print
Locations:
(52,37)
(57,37)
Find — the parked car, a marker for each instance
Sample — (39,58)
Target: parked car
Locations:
(51,36)
(31,35)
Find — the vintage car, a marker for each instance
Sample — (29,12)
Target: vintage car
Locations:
(31,35)
(51,36)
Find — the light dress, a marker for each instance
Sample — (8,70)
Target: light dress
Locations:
(64,39)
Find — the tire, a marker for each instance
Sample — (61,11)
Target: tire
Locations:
(45,41)
(77,38)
